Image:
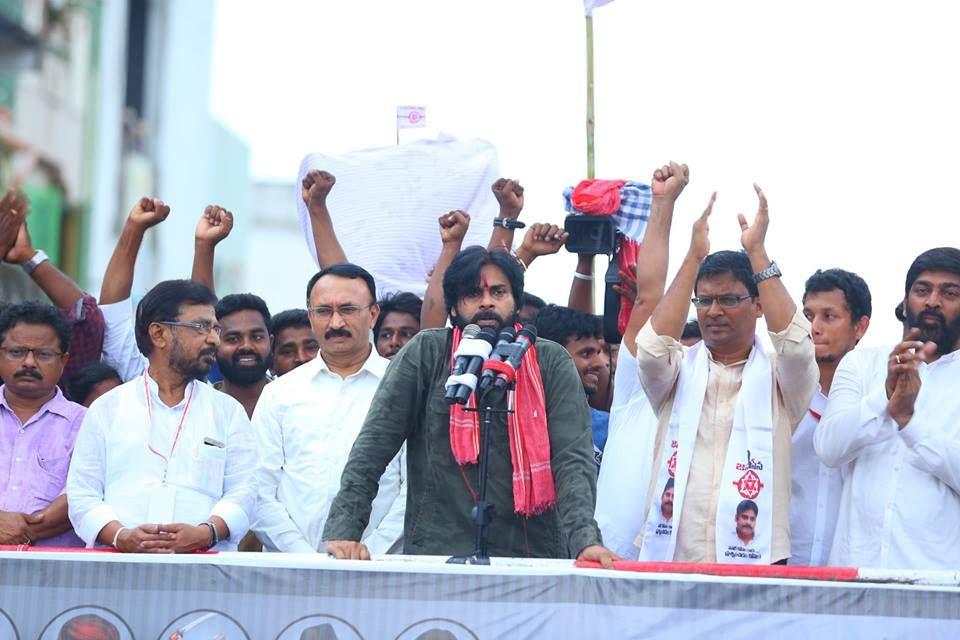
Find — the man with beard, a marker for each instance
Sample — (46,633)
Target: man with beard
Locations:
(666,501)
(838,305)
(582,336)
(308,420)
(38,426)
(542,479)
(399,320)
(163,463)
(894,417)
(244,351)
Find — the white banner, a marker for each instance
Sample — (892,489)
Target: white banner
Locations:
(590,5)
(411,117)
(247,596)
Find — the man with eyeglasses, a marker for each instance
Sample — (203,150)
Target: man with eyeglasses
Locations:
(38,427)
(894,418)
(165,463)
(726,409)
(308,420)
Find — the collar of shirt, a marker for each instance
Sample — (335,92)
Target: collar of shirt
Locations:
(155,393)
(375,364)
(58,404)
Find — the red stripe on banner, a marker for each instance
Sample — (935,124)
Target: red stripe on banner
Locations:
(842,574)
(24,547)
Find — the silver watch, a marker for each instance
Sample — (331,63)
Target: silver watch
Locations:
(38,258)
(773,271)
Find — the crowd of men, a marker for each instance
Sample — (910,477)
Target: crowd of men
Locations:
(189,422)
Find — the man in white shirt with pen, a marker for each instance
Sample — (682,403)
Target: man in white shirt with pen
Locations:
(164,463)
(894,417)
(308,420)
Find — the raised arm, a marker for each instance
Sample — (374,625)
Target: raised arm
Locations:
(778,307)
(118,278)
(509,195)
(670,314)
(581,289)
(667,185)
(14,208)
(214,225)
(453,228)
(59,287)
(541,239)
(314,190)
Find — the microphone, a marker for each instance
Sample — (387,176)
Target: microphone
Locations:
(507,335)
(471,353)
(525,340)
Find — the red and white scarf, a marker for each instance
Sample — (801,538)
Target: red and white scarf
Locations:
(533,488)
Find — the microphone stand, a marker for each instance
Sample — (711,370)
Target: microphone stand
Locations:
(483,511)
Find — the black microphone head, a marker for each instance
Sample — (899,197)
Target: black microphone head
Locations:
(471,331)
(507,334)
(530,331)
(488,335)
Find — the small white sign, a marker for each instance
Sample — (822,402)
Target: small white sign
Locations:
(411,117)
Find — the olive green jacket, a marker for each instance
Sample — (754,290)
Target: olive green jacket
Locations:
(409,406)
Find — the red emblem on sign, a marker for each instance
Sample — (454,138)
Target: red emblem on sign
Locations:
(672,465)
(749,484)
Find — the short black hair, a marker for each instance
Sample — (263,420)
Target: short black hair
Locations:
(344,270)
(854,288)
(242,302)
(463,275)
(532,300)
(736,263)
(287,319)
(403,302)
(83,381)
(748,505)
(668,485)
(691,330)
(36,312)
(561,324)
(940,259)
(162,304)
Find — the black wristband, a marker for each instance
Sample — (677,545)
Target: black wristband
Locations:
(214,538)
(508,223)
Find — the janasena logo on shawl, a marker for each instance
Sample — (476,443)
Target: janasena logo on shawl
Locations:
(749,484)
(672,465)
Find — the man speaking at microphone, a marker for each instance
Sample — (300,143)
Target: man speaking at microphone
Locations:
(542,478)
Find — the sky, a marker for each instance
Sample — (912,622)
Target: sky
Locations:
(844,112)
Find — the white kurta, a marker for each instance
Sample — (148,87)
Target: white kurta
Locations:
(307,421)
(114,475)
(900,506)
(815,497)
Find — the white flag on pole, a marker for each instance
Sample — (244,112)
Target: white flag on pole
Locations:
(411,117)
(588,5)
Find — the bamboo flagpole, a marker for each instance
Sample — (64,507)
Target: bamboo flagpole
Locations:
(591,165)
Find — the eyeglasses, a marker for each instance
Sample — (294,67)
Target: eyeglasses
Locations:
(727,302)
(346,311)
(19,354)
(202,328)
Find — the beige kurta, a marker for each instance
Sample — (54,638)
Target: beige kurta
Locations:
(795,380)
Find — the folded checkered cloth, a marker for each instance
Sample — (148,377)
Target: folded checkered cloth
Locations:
(631,219)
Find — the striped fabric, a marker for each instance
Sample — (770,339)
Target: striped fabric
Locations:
(631,219)
(386,202)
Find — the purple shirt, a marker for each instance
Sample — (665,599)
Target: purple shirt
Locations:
(34,458)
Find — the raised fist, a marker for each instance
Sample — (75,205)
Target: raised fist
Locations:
(148,212)
(14,207)
(22,249)
(453,227)
(316,186)
(215,224)
(543,239)
(509,194)
(669,180)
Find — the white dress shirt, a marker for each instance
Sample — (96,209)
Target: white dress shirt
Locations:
(625,474)
(119,471)
(900,506)
(307,421)
(120,349)
(815,499)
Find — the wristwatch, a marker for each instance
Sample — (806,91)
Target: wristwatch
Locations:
(773,271)
(38,258)
(508,223)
